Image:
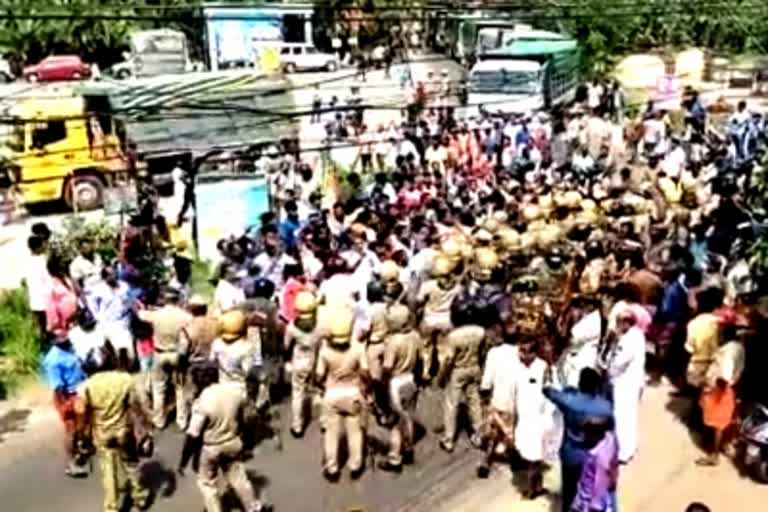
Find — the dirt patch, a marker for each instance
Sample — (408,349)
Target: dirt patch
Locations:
(14,421)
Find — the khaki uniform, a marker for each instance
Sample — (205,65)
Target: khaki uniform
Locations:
(344,406)
(436,319)
(460,370)
(109,395)
(216,417)
(167,323)
(305,347)
(195,343)
(400,357)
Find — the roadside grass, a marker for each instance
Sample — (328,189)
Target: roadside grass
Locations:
(19,345)
(200,280)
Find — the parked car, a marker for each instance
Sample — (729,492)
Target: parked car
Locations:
(57,67)
(306,57)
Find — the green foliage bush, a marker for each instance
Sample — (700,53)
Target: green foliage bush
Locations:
(19,343)
(101,233)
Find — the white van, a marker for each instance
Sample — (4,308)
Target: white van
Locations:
(306,57)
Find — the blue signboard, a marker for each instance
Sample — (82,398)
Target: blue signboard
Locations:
(233,32)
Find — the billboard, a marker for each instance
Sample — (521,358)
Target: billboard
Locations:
(235,34)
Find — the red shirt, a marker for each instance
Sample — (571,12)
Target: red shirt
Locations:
(291,288)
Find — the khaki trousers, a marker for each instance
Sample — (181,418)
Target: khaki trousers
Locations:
(344,410)
(225,460)
(117,474)
(165,370)
(462,387)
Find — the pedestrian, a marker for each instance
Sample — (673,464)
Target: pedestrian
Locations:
(577,406)
(341,368)
(62,304)
(64,373)
(401,355)
(317,104)
(625,368)
(110,409)
(302,342)
(167,321)
(459,373)
(596,490)
(87,265)
(38,283)
(214,435)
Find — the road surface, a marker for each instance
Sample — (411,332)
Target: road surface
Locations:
(32,478)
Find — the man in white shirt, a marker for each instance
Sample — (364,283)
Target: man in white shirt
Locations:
(499,380)
(228,294)
(87,265)
(38,280)
(531,412)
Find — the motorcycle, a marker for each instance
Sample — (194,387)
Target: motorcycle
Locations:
(754,436)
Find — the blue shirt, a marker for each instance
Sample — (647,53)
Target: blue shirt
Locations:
(288,232)
(63,370)
(577,407)
(674,303)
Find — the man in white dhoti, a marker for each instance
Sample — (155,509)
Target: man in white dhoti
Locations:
(530,412)
(625,367)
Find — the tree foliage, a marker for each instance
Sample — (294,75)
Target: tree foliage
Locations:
(608,29)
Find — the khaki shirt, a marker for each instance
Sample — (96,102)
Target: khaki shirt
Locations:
(216,413)
(304,346)
(167,323)
(402,352)
(197,337)
(234,359)
(463,347)
(436,300)
(341,368)
(109,395)
(377,314)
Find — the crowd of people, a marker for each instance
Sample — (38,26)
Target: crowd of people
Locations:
(530,267)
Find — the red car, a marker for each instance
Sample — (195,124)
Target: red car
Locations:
(57,67)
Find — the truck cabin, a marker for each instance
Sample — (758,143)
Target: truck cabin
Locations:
(508,77)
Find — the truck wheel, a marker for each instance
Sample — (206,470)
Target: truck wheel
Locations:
(290,68)
(123,74)
(84,193)
(32,78)
(330,67)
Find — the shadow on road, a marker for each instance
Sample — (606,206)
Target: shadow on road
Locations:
(259,482)
(160,479)
(13,421)
(683,408)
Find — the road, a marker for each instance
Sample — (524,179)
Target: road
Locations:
(31,462)
(663,477)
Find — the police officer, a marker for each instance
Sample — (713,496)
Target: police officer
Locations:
(195,342)
(485,289)
(302,341)
(109,407)
(214,433)
(167,322)
(403,346)
(374,335)
(389,278)
(459,371)
(434,299)
(342,368)
(232,352)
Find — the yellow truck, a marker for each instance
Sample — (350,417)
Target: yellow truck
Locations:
(62,147)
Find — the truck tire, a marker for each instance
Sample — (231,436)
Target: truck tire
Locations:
(123,74)
(32,78)
(290,67)
(330,67)
(84,193)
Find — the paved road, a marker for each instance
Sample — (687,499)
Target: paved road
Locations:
(661,478)
(32,478)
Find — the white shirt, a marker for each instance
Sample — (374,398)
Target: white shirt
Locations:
(339,290)
(82,269)
(272,266)
(38,282)
(83,342)
(227,296)
(500,376)
(532,410)
(627,365)
(673,163)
